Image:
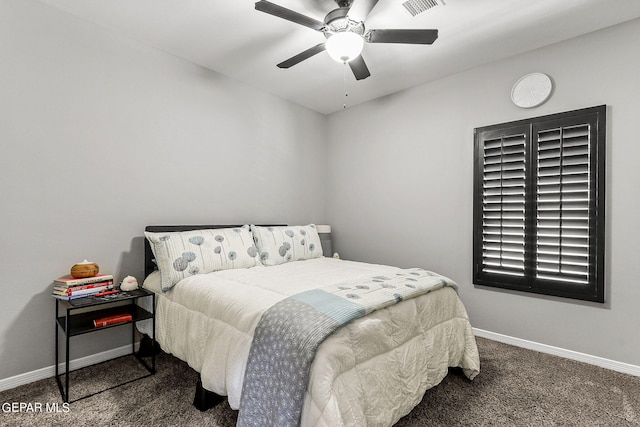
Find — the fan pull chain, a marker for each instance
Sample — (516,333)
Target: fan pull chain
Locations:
(344,82)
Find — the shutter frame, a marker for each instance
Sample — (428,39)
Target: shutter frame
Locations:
(569,195)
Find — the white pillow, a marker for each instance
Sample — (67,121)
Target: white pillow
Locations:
(278,245)
(185,253)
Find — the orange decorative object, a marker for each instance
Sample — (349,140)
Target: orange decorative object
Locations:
(84,269)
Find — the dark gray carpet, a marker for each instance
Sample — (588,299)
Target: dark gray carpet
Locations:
(516,387)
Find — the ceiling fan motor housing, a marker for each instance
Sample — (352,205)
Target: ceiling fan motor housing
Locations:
(337,21)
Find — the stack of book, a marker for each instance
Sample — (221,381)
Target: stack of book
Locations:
(68,288)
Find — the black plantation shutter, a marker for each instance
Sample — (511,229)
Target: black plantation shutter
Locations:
(539,205)
(566,205)
(501,237)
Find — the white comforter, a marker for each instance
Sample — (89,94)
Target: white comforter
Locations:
(371,372)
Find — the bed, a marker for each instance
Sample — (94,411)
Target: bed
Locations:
(370,371)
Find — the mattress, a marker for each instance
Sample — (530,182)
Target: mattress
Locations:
(370,372)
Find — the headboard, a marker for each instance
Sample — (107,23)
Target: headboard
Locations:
(149,265)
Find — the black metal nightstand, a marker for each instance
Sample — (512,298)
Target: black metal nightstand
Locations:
(92,308)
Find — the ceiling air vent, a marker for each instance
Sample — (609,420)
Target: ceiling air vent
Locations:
(415,7)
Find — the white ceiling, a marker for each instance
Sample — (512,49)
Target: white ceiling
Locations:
(234,39)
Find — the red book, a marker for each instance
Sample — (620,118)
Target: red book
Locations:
(112,320)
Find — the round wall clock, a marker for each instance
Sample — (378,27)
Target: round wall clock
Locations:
(531,90)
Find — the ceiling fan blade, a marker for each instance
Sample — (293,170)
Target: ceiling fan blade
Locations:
(288,14)
(402,36)
(302,56)
(361,9)
(359,68)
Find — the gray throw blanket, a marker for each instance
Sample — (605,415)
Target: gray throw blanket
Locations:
(289,333)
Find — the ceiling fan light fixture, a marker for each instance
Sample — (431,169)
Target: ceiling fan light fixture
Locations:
(344,46)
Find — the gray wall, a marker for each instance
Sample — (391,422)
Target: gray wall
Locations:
(100,136)
(405,164)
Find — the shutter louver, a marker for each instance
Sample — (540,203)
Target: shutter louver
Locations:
(563,205)
(503,205)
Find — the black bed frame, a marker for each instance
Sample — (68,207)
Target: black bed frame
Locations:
(203,399)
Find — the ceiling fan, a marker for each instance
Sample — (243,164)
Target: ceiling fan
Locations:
(345,33)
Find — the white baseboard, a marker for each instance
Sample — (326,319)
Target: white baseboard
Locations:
(50,371)
(625,368)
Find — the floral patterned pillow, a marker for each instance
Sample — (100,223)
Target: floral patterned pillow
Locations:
(182,254)
(277,245)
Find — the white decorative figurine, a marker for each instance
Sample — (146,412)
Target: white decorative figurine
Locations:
(129,283)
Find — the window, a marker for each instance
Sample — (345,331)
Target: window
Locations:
(539,205)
